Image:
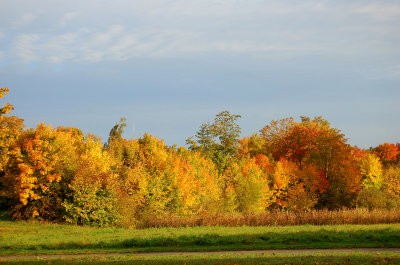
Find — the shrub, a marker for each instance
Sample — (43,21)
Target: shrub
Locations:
(373,198)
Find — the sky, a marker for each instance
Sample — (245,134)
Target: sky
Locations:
(169,66)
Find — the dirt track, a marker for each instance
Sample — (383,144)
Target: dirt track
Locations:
(238,252)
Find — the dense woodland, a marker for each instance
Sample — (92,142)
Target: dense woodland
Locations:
(61,175)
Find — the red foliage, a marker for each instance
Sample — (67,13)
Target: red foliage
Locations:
(387,152)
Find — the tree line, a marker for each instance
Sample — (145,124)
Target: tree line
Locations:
(61,175)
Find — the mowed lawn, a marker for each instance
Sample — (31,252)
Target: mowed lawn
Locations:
(35,238)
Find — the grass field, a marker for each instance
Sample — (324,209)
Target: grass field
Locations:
(318,258)
(33,238)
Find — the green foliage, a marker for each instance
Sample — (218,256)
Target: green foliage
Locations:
(373,198)
(218,140)
(250,185)
(117,131)
(91,198)
(90,201)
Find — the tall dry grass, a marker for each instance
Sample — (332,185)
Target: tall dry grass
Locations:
(284,218)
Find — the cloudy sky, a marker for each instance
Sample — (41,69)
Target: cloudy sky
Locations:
(170,65)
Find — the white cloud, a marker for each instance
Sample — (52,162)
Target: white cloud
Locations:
(117,44)
(223,9)
(2,35)
(24,47)
(67,17)
(185,28)
(110,35)
(380,11)
(60,48)
(25,19)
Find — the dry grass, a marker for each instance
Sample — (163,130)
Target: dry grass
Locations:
(284,218)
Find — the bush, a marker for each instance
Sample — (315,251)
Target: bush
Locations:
(373,198)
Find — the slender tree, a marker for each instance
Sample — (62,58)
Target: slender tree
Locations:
(117,131)
(218,140)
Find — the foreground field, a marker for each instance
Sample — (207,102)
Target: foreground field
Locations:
(34,238)
(316,258)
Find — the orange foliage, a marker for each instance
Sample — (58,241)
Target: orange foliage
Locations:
(358,153)
(297,188)
(387,152)
(34,165)
(263,162)
(10,129)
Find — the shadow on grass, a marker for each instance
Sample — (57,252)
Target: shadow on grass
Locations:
(316,239)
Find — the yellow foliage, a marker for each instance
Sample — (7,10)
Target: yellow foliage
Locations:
(250,184)
(284,172)
(391,181)
(371,170)
(7,107)
(10,129)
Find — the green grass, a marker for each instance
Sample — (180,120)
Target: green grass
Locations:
(35,238)
(318,258)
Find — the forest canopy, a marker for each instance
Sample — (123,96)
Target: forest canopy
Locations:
(61,175)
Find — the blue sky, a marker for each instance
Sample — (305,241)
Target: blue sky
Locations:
(170,65)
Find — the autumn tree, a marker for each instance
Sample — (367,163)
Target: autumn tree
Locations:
(380,185)
(390,188)
(30,174)
(92,195)
(251,146)
(391,181)
(197,182)
(246,187)
(398,156)
(179,182)
(387,152)
(58,175)
(11,127)
(295,188)
(371,170)
(316,143)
